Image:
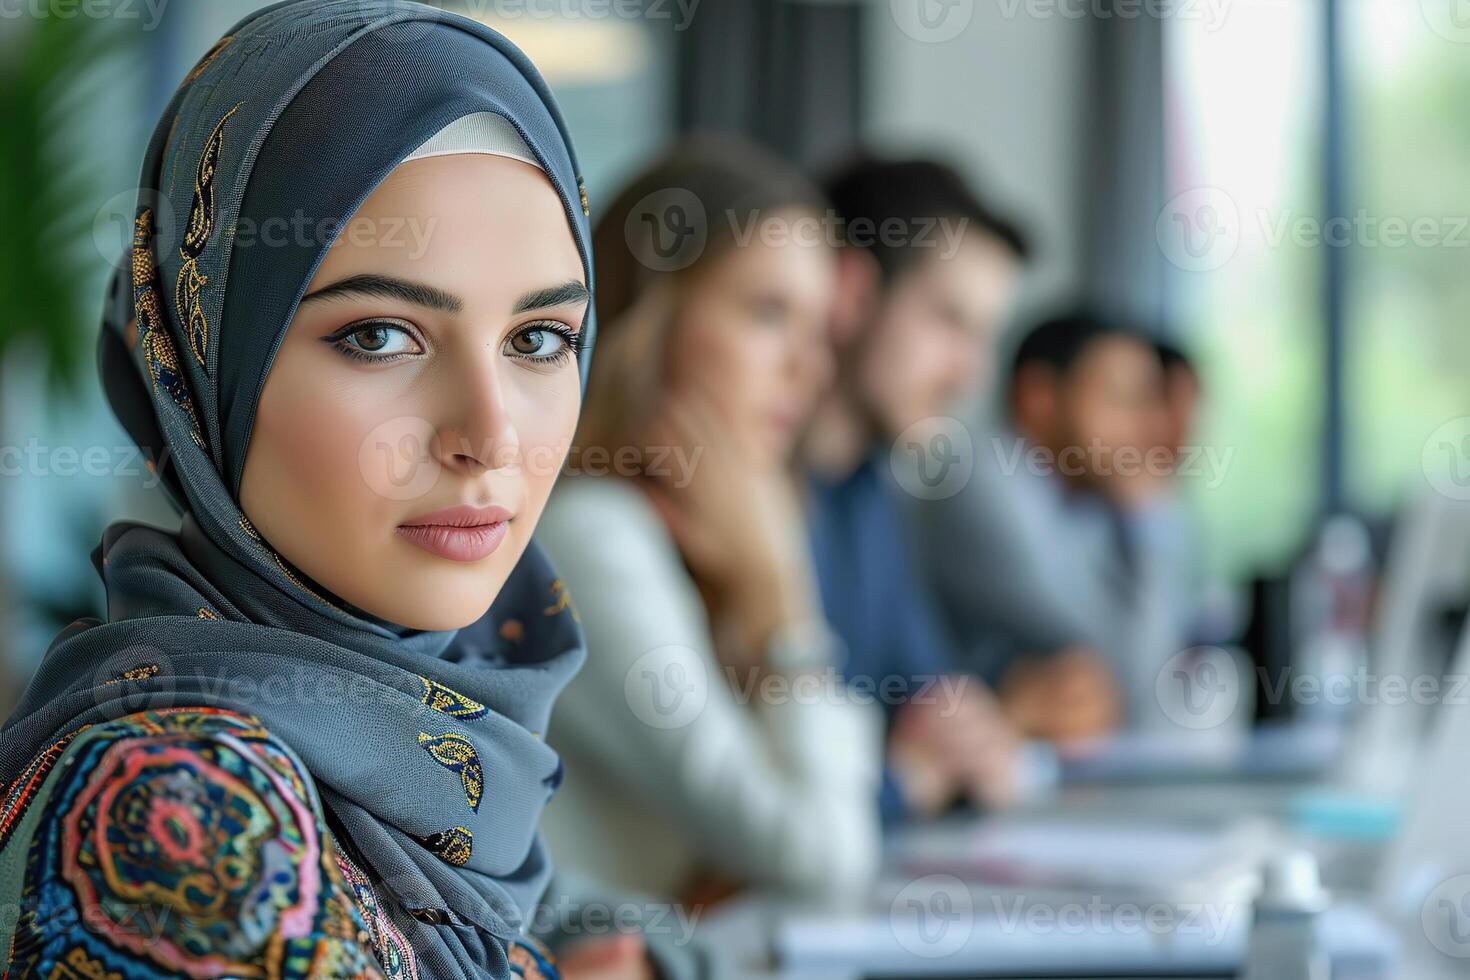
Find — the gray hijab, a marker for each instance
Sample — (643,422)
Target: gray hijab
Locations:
(303,108)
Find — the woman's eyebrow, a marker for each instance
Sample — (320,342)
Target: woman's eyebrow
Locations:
(571,291)
(390,287)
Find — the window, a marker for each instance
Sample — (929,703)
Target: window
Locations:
(1408,282)
(1243,161)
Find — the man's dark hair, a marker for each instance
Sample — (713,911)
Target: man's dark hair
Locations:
(1174,357)
(1060,342)
(867,192)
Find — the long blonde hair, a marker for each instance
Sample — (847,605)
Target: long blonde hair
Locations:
(715,184)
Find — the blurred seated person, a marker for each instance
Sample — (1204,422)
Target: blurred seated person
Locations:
(1183,389)
(1170,520)
(915,320)
(596,933)
(706,745)
(1065,536)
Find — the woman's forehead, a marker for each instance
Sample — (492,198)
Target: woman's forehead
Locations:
(463,210)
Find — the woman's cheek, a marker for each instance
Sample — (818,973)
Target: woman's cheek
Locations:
(326,453)
(546,422)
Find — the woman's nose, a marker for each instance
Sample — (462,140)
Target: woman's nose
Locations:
(482,435)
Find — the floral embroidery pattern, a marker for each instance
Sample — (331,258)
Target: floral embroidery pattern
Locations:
(450,701)
(190,847)
(77,964)
(191,281)
(20,793)
(562,600)
(135,674)
(158,347)
(452,846)
(192,853)
(457,754)
(394,953)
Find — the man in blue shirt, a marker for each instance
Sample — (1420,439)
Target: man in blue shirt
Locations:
(926,277)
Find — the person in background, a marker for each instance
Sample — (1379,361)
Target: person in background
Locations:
(1183,389)
(1197,603)
(1069,521)
(706,744)
(916,317)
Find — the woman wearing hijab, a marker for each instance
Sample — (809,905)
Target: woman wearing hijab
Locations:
(355,322)
(708,743)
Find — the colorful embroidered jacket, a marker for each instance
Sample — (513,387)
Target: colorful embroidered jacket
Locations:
(186,843)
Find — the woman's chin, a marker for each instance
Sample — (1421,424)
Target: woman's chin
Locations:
(425,595)
(437,611)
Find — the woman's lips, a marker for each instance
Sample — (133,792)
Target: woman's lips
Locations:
(462,533)
(455,543)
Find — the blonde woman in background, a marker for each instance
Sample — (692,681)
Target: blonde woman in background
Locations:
(705,740)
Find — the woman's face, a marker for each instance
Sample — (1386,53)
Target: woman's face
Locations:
(751,336)
(431,365)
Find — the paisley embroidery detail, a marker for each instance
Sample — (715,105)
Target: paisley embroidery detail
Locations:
(394,953)
(457,754)
(226,840)
(135,674)
(563,600)
(189,813)
(582,193)
(78,965)
(451,846)
(191,281)
(158,347)
(450,701)
(208,613)
(20,793)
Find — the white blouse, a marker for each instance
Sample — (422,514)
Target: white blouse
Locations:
(670,769)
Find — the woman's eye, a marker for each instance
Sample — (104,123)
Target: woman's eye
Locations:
(376,341)
(542,342)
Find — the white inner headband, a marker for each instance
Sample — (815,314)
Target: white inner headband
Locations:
(478,132)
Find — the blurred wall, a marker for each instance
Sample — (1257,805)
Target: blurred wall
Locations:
(1006,98)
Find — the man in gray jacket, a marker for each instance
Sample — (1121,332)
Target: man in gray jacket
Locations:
(1067,537)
